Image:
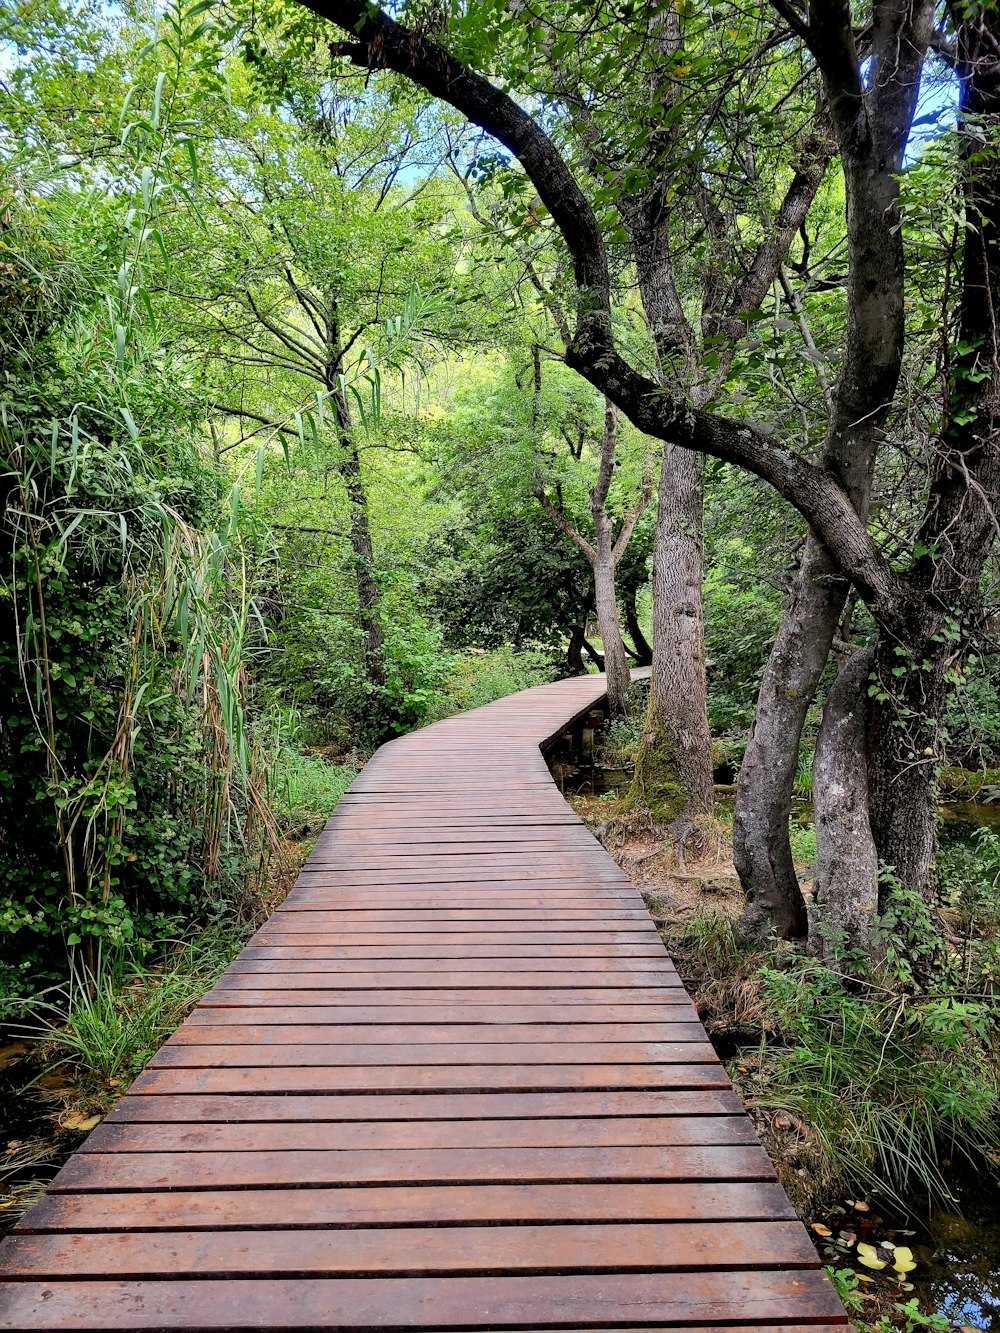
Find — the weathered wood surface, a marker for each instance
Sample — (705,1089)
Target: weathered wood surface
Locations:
(454,1083)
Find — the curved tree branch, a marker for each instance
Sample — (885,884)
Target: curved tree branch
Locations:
(380,42)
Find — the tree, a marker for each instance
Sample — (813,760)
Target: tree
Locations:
(316,253)
(905,605)
(534,438)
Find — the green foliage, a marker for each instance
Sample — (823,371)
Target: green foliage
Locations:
(904,1317)
(477,679)
(110,1022)
(307,786)
(891,1085)
(803,842)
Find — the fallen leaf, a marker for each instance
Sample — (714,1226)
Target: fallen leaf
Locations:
(821,1230)
(903,1260)
(859,1207)
(868,1255)
(78,1121)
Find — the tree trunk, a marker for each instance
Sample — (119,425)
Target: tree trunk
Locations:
(872,148)
(643,652)
(673,771)
(905,751)
(846,902)
(574,652)
(762,852)
(615,658)
(369,609)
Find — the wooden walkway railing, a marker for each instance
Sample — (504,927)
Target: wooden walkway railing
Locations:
(453,1084)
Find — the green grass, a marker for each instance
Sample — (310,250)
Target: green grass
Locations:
(894,1088)
(109,1024)
(308,786)
(477,679)
(803,842)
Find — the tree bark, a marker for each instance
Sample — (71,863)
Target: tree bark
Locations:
(846,897)
(673,771)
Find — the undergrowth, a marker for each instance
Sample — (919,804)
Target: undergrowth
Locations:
(108,1024)
(307,787)
(479,678)
(858,1084)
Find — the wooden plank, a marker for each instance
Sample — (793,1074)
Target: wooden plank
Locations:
(619,1132)
(274,1007)
(694,1301)
(228,1055)
(195,1109)
(417,1251)
(287,953)
(252,1030)
(281,937)
(238,989)
(413,983)
(510,966)
(407,1205)
(431,1078)
(227,1170)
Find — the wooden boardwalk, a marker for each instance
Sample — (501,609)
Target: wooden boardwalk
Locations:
(453,1084)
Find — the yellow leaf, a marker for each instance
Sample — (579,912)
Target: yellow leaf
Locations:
(868,1255)
(77,1120)
(821,1230)
(902,1260)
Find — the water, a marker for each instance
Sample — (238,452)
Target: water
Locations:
(958,1273)
(959,1262)
(31,1147)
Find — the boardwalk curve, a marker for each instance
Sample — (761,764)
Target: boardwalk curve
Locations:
(454,1083)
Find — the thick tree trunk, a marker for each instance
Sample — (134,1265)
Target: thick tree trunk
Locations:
(673,772)
(904,741)
(762,852)
(846,902)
